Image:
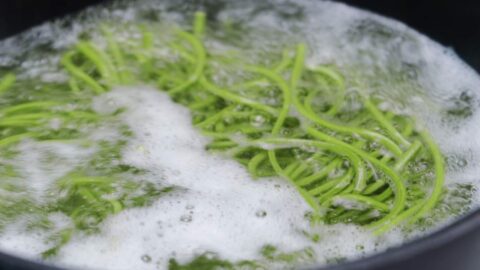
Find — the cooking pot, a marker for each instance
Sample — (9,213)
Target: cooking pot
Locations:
(455,24)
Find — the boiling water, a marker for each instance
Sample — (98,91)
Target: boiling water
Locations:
(217,209)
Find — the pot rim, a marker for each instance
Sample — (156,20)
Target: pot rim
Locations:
(408,250)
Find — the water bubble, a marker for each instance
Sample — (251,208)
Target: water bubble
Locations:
(189,207)
(462,163)
(186,218)
(286,132)
(261,213)
(257,120)
(146,258)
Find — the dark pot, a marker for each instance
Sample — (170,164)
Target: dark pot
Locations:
(453,23)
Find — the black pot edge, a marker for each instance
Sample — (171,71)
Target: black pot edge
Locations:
(12,262)
(416,247)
